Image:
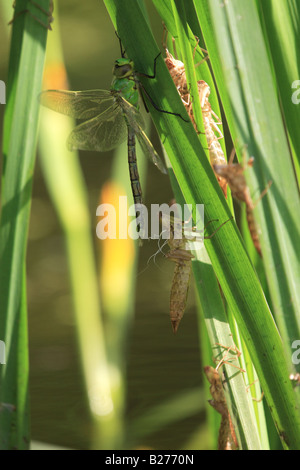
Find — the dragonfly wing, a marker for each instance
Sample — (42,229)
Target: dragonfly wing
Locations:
(77,104)
(104,132)
(133,114)
(149,150)
(134,119)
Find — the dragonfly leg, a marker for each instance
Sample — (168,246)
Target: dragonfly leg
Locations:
(141,74)
(201,49)
(159,109)
(263,193)
(226,360)
(121,47)
(258,400)
(217,229)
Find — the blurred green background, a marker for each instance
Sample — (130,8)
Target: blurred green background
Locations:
(160,366)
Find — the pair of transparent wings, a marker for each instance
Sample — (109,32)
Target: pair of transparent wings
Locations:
(104,126)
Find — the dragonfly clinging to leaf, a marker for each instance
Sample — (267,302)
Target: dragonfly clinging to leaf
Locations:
(109,116)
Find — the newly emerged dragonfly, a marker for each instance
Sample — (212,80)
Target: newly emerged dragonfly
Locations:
(109,116)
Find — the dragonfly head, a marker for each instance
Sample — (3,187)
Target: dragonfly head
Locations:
(123,68)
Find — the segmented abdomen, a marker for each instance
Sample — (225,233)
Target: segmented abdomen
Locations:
(133,169)
(134,178)
(253,229)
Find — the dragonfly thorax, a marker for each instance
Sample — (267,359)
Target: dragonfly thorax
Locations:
(124,81)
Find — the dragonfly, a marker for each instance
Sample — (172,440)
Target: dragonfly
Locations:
(108,117)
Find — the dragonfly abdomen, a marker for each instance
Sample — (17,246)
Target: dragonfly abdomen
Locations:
(133,168)
(253,229)
(134,178)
